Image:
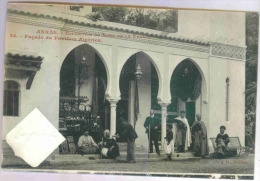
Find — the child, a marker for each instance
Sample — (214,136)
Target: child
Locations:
(169,147)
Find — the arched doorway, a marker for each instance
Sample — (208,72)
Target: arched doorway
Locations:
(138,96)
(83,82)
(186,89)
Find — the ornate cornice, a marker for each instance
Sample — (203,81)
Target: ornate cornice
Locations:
(74,26)
(141,31)
(229,51)
(150,40)
(214,49)
(29,20)
(33,62)
(27,63)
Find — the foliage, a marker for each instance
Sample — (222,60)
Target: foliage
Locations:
(252,22)
(163,20)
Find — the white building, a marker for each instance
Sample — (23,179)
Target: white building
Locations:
(212,42)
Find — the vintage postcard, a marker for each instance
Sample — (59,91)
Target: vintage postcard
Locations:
(130,90)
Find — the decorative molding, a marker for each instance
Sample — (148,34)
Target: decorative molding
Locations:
(164,105)
(66,25)
(22,61)
(30,79)
(112,102)
(159,34)
(26,63)
(35,21)
(229,51)
(150,40)
(215,49)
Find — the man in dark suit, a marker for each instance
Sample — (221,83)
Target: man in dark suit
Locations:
(152,124)
(130,135)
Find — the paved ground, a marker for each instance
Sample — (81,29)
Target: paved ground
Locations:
(235,165)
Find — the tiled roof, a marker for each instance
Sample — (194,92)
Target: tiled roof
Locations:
(23,61)
(24,57)
(43,11)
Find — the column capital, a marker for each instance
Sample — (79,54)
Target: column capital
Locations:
(163,105)
(113,102)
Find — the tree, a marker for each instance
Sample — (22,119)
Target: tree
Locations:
(252,21)
(163,20)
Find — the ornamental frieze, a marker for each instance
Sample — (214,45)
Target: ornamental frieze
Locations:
(214,49)
(230,51)
(149,40)
(35,21)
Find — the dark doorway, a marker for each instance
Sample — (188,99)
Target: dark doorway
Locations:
(83,82)
(190,112)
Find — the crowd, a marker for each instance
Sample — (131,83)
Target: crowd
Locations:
(180,136)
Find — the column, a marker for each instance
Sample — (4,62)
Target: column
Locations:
(131,102)
(113,116)
(163,124)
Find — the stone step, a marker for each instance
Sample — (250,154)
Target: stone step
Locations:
(79,159)
(76,157)
(7,151)
(136,149)
(125,143)
(9,160)
(155,155)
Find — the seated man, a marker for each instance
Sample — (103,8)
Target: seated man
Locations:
(222,141)
(110,147)
(86,144)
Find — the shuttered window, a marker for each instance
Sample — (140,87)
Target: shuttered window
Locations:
(11,98)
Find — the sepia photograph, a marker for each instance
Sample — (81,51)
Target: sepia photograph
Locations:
(124,90)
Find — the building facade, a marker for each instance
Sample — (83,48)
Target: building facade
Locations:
(213,42)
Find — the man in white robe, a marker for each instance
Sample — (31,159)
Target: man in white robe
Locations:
(86,144)
(183,141)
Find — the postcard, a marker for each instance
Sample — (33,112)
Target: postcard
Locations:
(130,90)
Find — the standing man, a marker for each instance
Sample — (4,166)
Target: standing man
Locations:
(183,137)
(129,133)
(151,125)
(97,132)
(199,131)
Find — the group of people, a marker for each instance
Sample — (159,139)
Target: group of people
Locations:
(98,142)
(179,134)
(107,146)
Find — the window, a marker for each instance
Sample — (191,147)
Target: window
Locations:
(11,98)
(227,97)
